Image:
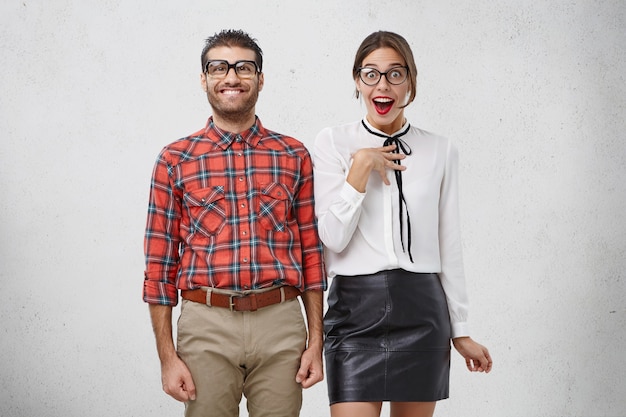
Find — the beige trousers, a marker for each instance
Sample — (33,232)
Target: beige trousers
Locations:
(254,353)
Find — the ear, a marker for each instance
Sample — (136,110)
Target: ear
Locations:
(261,80)
(203,82)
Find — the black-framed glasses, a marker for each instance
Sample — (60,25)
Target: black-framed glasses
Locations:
(395,75)
(218,68)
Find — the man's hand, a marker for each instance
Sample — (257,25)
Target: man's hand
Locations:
(175,376)
(311,369)
(177,381)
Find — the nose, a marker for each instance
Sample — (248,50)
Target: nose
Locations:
(383,83)
(231,75)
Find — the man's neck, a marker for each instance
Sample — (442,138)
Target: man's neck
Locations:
(235,124)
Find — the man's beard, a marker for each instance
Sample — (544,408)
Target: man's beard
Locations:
(234,114)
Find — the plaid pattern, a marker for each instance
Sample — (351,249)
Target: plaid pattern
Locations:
(232,211)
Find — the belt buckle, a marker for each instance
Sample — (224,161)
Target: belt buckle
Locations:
(251,297)
(231,303)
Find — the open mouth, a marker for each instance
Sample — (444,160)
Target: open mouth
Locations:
(383,104)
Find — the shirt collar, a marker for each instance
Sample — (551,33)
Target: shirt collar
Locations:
(225,139)
(383,133)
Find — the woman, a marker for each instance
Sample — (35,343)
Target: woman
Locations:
(387,206)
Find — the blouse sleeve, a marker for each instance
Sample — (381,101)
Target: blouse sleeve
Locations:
(452,274)
(337,203)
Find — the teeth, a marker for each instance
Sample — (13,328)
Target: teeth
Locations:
(230,92)
(383,100)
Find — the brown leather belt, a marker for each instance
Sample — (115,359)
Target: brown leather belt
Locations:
(248,302)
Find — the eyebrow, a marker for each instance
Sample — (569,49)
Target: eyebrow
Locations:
(393,65)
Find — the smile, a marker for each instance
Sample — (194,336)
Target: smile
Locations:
(230,92)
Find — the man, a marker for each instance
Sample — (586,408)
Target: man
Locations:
(231,224)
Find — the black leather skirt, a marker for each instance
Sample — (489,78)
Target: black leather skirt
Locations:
(387,338)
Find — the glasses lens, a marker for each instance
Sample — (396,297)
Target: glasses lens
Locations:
(245,69)
(369,76)
(217,68)
(397,75)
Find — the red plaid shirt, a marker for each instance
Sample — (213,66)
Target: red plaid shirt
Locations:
(232,211)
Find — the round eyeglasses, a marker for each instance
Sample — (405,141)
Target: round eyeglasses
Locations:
(219,68)
(395,76)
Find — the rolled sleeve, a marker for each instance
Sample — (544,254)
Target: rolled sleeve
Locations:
(162,240)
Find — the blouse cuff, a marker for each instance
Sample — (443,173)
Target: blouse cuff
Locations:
(460,329)
(350,195)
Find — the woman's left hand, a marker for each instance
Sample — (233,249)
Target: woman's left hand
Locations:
(476,355)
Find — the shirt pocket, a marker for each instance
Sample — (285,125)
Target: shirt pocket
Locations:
(207,210)
(274,202)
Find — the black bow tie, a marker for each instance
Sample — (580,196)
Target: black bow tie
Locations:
(406,149)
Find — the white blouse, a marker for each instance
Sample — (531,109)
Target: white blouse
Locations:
(361,231)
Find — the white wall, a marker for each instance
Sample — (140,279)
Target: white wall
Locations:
(532,92)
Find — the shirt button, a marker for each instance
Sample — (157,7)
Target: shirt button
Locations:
(240,179)
(245,260)
(239,154)
(245,233)
(243,205)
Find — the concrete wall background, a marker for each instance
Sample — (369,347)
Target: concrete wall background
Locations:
(532,92)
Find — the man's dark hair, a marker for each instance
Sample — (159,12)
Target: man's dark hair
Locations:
(232,38)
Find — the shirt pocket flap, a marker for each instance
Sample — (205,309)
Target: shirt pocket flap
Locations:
(276,191)
(205,196)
